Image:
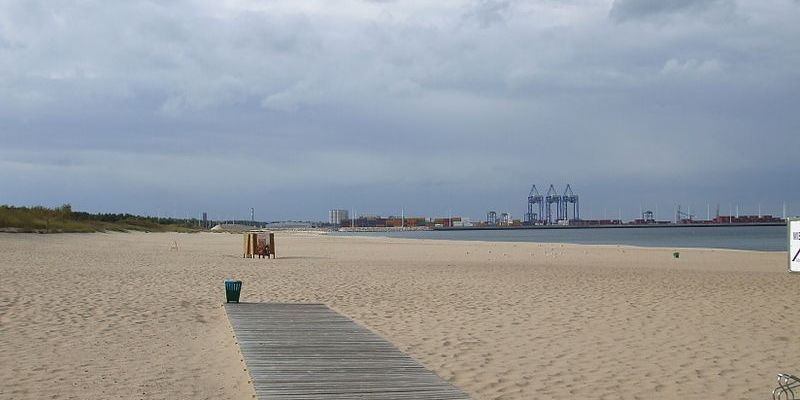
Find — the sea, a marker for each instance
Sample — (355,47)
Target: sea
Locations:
(759,238)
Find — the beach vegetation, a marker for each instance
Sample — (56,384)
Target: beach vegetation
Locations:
(63,219)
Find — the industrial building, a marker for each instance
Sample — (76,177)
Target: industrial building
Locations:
(374,221)
(336,217)
(746,219)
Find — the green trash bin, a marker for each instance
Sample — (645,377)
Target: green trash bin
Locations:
(232,290)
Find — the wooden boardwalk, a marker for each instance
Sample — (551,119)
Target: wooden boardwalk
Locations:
(308,351)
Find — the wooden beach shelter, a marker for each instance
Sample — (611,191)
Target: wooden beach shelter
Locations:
(259,244)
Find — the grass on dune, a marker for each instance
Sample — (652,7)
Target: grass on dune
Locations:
(63,219)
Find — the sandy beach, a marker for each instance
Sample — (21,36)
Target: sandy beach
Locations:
(123,315)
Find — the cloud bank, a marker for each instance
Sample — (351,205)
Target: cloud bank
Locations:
(296,107)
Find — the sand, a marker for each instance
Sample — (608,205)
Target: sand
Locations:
(122,315)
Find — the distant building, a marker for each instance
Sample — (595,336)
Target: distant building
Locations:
(462,223)
(746,219)
(336,217)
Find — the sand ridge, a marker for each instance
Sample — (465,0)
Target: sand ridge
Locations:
(123,316)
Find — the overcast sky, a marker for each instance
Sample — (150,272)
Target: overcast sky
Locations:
(295,107)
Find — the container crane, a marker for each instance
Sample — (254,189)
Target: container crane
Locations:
(552,197)
(534,198)
(570,198)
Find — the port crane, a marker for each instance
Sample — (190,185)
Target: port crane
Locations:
(534,199)
(552,197)
(570,198)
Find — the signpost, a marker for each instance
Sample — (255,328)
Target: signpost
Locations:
(794,244)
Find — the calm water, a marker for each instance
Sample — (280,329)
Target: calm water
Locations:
(764,238)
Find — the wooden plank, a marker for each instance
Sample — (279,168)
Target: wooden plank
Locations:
(308,351)
(272,244)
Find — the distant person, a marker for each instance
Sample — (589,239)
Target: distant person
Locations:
(262,249)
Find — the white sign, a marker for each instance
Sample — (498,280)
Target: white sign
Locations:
(794,245)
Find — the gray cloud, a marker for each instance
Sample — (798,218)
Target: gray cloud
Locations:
(489,12)
(141,106)
(623,10)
